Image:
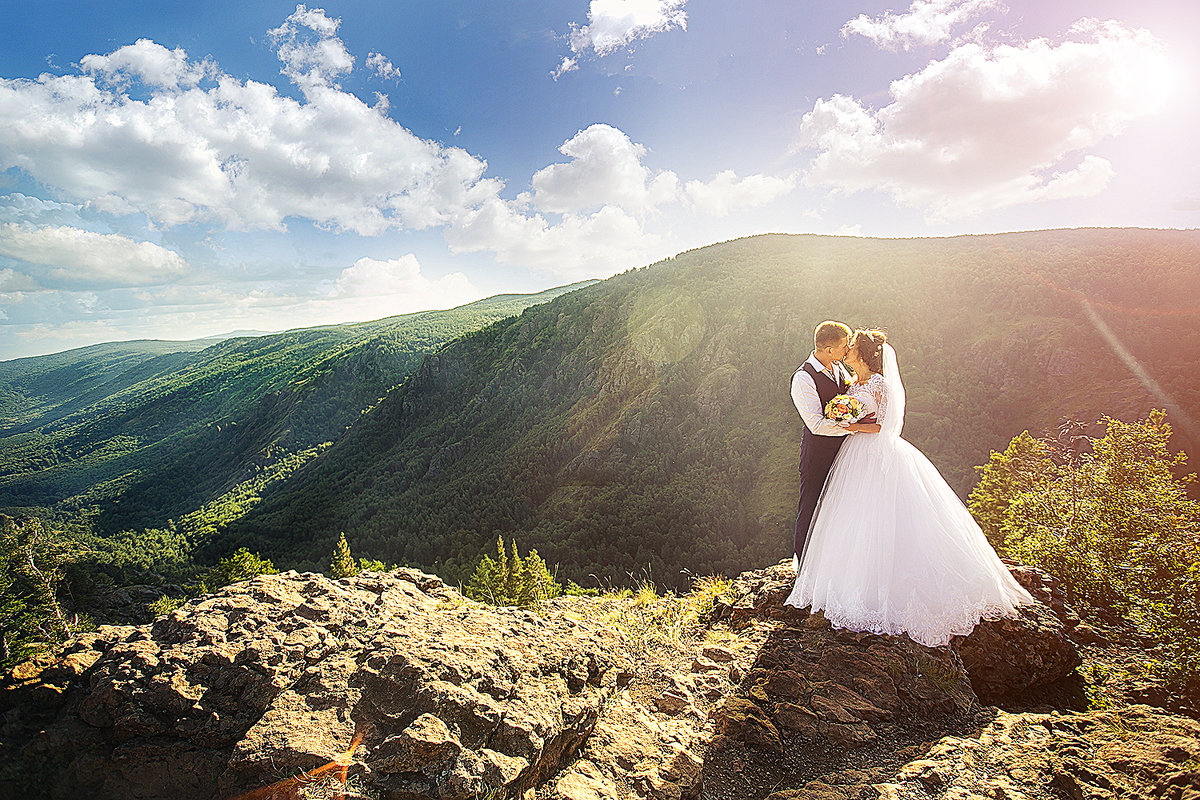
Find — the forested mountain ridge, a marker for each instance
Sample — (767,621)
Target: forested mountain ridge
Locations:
(136,432)
(644,423)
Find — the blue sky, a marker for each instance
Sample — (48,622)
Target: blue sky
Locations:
(181,170)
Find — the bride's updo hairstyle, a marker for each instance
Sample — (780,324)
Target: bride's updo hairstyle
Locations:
(870,348)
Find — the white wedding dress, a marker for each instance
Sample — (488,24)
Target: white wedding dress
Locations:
(892,549)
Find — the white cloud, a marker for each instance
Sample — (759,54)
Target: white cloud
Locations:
(50,320)
(17,207)
(926,22)
(231,152)
(382,66)
(147,131)
(586,217)
(990,128)
(308,46)
(569,64)
(402,277)
(605,169)
(78,257)
(726,192)
(578,246)
(40,338)
(614,24)
(13,281)
(148,62)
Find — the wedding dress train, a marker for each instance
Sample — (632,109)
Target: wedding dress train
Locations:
(892,549)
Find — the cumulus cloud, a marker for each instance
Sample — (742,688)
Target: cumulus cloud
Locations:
(605,169)
(71,256)
(148,62)
(990,128)
(926,22)
(13,281)
(402,277)
(614,24)
(382,66)
(231,152)
(309,48)
(601,198)
(727,192)
(148,131)
(577,246)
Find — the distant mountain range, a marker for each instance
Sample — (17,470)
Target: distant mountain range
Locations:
(643,424)
(635,427)
(134,433)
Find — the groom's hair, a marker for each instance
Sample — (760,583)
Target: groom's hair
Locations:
(829,333)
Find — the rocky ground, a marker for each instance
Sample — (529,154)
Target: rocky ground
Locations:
(395,686)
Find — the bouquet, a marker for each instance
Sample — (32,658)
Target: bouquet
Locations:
(845,409)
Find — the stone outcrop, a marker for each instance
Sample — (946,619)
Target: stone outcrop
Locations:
(1001,657)
(402,688)
(1005,657)
(1131,753)
(278,675)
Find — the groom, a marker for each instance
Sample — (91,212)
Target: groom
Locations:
(819,379)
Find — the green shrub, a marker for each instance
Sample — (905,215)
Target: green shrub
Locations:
(1111,518)
(342,564)
(33,614)
(511,580)
(240,566)
(165,605)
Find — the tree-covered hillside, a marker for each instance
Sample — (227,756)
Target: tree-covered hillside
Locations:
(135,433)
(645,423)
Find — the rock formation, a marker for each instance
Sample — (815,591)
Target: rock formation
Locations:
(393,685)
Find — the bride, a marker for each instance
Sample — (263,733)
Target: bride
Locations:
(892,549)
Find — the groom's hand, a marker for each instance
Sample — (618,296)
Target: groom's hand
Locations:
(869,419)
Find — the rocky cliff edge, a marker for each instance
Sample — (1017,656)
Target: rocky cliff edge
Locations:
(393,685)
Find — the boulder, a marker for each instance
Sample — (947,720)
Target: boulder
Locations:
(280,674)
(1135,753)
(409,690)
(1003,657)
(1008,656)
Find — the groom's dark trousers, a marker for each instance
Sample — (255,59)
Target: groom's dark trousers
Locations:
(816,457)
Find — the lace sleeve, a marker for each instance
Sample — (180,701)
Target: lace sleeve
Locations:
(877,387)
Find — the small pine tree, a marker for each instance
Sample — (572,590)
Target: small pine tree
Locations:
(514,578)
(511,580)
(486,584)
(342,565)
(537,584)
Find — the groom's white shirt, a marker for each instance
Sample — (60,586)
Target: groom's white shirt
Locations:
(808,402)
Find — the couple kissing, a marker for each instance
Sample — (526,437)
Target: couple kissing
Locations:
(882,543)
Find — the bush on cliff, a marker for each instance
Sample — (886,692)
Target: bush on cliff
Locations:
(241,566)
(34,590)
(1111,517)
(510,580)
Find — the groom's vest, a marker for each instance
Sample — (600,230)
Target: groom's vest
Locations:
(817,452)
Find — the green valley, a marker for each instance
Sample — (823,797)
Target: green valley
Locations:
(134,434)
(643,426)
